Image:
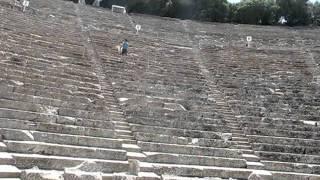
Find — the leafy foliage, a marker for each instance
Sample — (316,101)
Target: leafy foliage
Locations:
(264,12)
(257,12)
(315,9)
(295,11)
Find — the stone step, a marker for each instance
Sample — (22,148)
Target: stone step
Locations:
(51,72)
(284,133)
(255,165)
(196,171)
(9,171)
(251,157)
(240,143)
(53,95)
(50,115)
(292,167)
(15,72)
(74,70)
(36,173)
(3,147)
(56,92)
(131,147)
(190,125)
(284,140)
(172,158)
(173,177)
(241,147)
(240,139)
(128,141)
(288,157)
(177,132)
(123,132)
(235,131)
(6,159)
(35,82)
(136,155)
(50,101)
(39,113)
(160,138)
(189,149)
(126,128)
(126,137)
(140,176)
(294,176)
(308,150)
(32,147)
(28,161)
(24,135)
(55,128)
(238,135)
(121,123)
(247,151)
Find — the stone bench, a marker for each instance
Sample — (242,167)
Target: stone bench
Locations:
(28,161)
(189,150)
(307,150)
(176,132)
(100,117)
(56,128)
(180,124)
(278,125)
(291,167)
(7,94)
(172,158)
(52,81)
(58,138)
(49,117)
(168,139)
(288,157)
(283,141)
(33,147)
(197,171)
(283,133)
(66,73)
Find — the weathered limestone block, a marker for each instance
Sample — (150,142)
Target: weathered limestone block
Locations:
(13,134)
(191,150)
(65,150)
(260,175)
(80,175)
(134,167)
(214,143)
(194,160)
(160,138)
(226,136)
(36,174)
(8,171)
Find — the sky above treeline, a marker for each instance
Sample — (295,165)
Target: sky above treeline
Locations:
(235,1)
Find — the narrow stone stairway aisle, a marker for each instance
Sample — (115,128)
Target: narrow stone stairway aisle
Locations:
(238,138)
(121,127)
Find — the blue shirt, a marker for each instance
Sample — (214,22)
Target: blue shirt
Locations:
(125,45)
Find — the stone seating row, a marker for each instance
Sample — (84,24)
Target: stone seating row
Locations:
(42,128)
(278,154)
(162,149)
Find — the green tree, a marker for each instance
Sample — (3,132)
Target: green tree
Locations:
(232,12)
(211,10)
(315,8)
(257,12)
(296,12)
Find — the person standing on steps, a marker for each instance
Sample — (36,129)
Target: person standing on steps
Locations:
(125,46)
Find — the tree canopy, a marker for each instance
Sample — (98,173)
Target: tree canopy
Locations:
(264,12)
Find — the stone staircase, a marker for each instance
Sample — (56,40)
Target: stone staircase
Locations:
(187,103)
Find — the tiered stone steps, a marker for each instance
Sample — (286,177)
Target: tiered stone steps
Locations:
(177,105)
